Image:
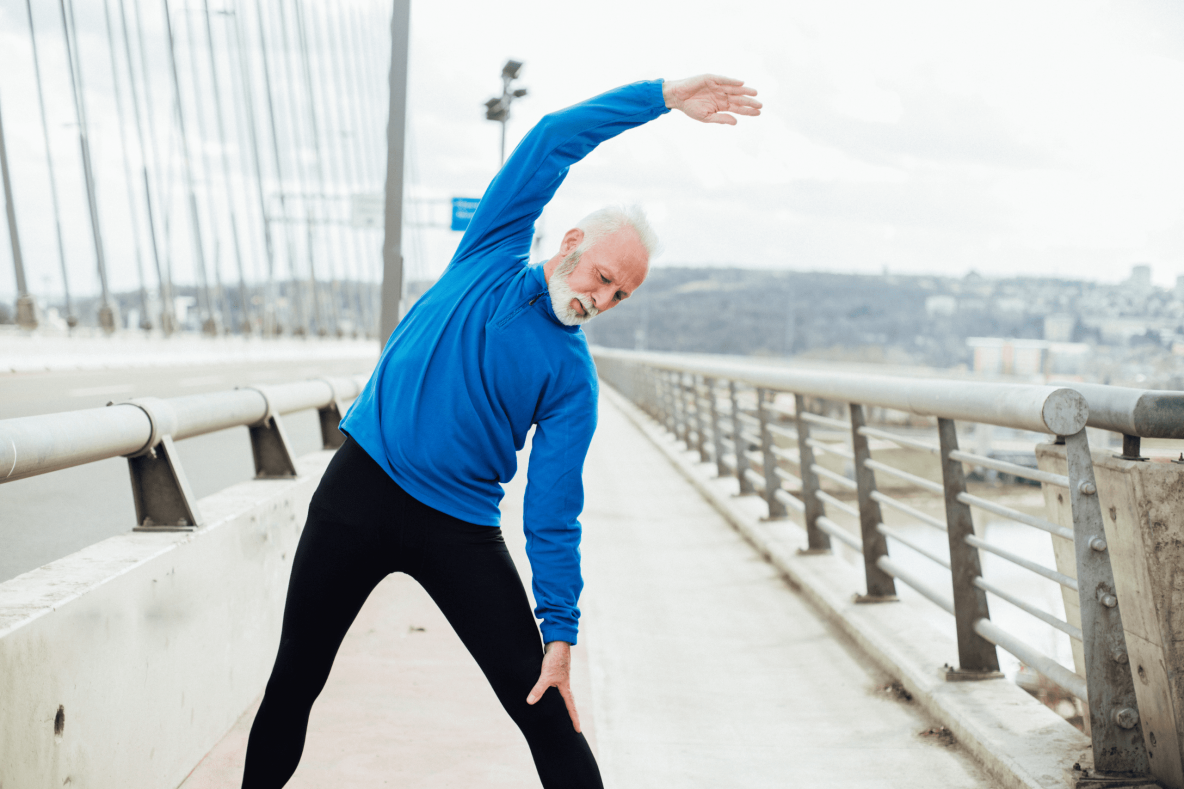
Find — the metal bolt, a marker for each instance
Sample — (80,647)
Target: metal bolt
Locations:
(1108,600)
(1098,544)
(1119,655)
(1126,717)
(1087,488)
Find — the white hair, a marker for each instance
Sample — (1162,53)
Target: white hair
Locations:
(610,219)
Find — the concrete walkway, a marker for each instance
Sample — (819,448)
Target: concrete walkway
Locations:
(698,667)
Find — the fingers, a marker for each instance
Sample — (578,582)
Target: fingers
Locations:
(537,691)
(739,91)
(569,700)
(721,117)
(729,81)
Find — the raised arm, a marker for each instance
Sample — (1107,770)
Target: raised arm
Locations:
(524,186)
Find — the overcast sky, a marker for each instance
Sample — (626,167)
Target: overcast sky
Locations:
(1035,137)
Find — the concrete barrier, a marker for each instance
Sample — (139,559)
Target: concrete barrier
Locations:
(123,664)
(1144,521)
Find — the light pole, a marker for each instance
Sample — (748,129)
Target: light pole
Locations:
(498,108)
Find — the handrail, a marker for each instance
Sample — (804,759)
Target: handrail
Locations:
(32,445)
(1042,409)
(658,382)
(1145,413)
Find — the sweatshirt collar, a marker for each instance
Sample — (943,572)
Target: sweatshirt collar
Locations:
(540,289)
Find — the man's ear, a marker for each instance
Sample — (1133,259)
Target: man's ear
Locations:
(571,240)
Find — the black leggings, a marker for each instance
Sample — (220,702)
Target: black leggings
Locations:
(361,527)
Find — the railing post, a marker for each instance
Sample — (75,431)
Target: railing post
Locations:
(674,403)
(330,417)
(739,443)
(669,415)
(977,657)
(817,541)
(680,415)
(269,444)
(772,481)
(684,393)
(160,490)
(646,386)
(880,585)
(641,374)
(701,437)
(661,410)
(1115,726)
(717,437)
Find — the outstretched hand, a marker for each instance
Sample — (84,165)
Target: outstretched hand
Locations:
(556,673)
(709,98)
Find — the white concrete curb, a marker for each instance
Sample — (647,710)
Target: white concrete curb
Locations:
(25,353)
(1022,743)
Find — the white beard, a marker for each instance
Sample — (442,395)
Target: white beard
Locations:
(562,294)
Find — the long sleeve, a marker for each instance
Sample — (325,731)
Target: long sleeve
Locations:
(517,195)
(554,500)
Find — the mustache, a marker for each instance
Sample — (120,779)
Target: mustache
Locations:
(562,293)
(566,268)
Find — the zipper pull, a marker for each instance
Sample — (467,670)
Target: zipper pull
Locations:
(536,298)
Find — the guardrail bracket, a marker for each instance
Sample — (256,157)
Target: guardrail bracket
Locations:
(273,454)
(330,418)
(161,491)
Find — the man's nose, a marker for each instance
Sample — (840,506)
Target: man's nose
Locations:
(602,296)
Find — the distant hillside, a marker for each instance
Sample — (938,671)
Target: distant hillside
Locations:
(782,313)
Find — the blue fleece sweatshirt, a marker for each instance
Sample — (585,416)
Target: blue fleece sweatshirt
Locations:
(481,358)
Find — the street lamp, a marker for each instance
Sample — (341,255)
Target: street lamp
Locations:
(498,108)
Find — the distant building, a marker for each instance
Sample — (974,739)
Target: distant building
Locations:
(1010,356)
(1058,327)
(941,305)
(1140,278)
(1010,304)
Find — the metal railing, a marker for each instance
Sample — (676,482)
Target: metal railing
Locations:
(758,424)
(144,431)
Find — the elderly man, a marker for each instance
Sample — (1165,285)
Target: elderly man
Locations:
(491,350)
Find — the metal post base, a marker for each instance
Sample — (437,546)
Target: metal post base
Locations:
(813,552)
(26,312)
(107,318)
(951,674)
(874,598)
(1131,448)
(1089,779)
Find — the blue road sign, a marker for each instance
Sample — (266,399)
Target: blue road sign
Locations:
(463,209)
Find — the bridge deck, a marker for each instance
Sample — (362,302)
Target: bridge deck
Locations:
(699,667)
